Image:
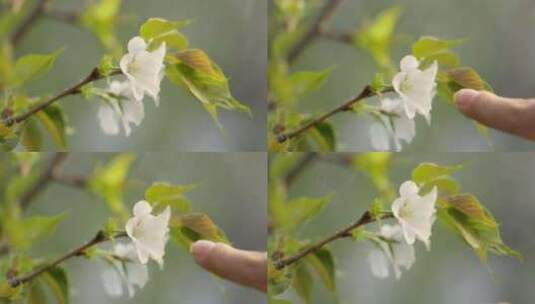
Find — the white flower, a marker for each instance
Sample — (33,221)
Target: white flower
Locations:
(149,232)
(415,213)
(122,108)
(143,68)
(394,252)
(130,272)
(398,126)
(416,87)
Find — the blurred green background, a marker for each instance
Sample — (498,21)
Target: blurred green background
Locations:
(450,272)
(501,47)
(232,32)
(232,191)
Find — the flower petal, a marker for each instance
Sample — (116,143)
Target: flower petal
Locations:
(142,208)
(404,128)
(136,45)
(379,264)
(408,189)
(409,63)
(379,137)
(108,119)
(112,282)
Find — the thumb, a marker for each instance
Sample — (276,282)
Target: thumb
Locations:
(247,268)
(516,116)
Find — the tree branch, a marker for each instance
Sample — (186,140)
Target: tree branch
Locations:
(345,37)
(62,16)
(100,237)
(325,14)
(35,14)
(298,168)
(346,106)
(365,219)
(44,179)
(70,180)
(76,89)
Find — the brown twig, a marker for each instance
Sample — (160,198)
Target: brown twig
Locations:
(365,219)
(298,168)
(346,106)
(315,29)
(76,89)
(62,16)
(100,237)
(44,179)
(70,180)
(345,37)
(33,16)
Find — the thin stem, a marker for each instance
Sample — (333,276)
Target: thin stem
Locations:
(315,29)
(62,16)
(100,237)
(299,167)
(44,179)
(365,219)
(346,106)
(76,89)
(70,180)
(35,14)
(345,37)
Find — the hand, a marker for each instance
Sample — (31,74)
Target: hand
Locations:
(248,268)
(515,116)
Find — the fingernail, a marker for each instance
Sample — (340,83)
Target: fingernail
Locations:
(201,249)
(465,97)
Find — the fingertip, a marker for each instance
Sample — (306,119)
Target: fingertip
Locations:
(465,98)
(201,249)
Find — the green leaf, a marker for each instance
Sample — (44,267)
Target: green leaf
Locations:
(100,18)
(445,59)
(472,208)
(465,216)
(376,209)
(158,30)
(108,182)
(164,194)
(302,283)
(30,66)
(426,172)
(378,83)
(55,122)
(376,37)
(278,301)
(26,161)
(358,234)
(34,293)
(188,228)
(304,82)
(467,78)
(323,135)
(445,185)
(279,280)
(23,233)
(201,77)
(56,279)
(300,210)
(106,65)
(322,262)
(375,165)
(429,46)
(30,137)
